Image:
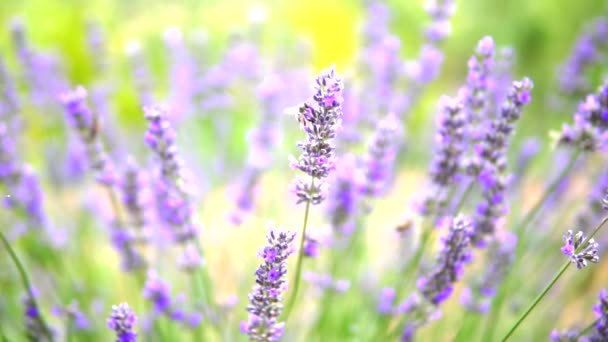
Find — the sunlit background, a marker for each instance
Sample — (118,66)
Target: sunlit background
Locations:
(295,36)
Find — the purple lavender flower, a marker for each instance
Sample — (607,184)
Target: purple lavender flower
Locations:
(490,160)
(475,93)
(440,12)
(132,184)
(35,328)
(271,282)
(589,131)
(141,75)
(158,291)
(580,254)
(173,203)
(73,314)
(447,162)
(570,335)
(262,141)
(320,119)
(572,78)
(438,286)
(380,159)
(123,320)
(387,297)
(601,314)
(311,246)
(87,127)
(344,197)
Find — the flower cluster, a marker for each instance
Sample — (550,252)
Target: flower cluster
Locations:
(262,140)
(172,199)
(601,314)
(447,162)
(440,11)
(86,125)
(490,160)
(35,327)
(123,320)
(580,254)
(572,79)
(343,201)
(271,281)
(589,131)
(320,119)
(380,158)
(475,94)
(439,285)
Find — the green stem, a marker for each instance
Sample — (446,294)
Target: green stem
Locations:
(587,329)
(464,197)
(553,281)
(537,300)
(521,227)
(298,273)
(68,329)
(27,284)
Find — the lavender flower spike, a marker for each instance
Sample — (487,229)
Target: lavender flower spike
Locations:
(321,119)
(601,314)
(588,252)
(271,281)
(381,156)
(438,286)
(86,124)
(590,130)
(440,11)
(447,163)
(123,320)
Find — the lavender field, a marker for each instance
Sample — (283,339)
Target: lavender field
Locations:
(303,170)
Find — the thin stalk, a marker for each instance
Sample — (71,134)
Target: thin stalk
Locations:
(537,300)
(298,273)
(68,329)
(553,281)
(587,329)
(521,227)
(27,284)
(464,197)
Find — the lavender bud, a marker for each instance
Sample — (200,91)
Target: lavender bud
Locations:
(271,282)
(158,291)
(123,320)
(580,254)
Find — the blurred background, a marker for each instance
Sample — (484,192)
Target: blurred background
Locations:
(299,36)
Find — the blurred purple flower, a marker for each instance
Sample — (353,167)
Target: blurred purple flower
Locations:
(123,320)
(580,254)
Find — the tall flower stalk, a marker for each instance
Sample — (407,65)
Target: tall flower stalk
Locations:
(580,250)
(321,118)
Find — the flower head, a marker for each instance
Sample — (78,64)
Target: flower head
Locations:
(271,281)
(123,320)
(320,118)
(580,254)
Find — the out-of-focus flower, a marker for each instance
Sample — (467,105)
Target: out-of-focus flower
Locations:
(455,253)
(589,131)
(123,320)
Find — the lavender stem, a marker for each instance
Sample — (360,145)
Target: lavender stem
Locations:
(298,273)
(27,284)
(519,231)
(553,281)
(587,329)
